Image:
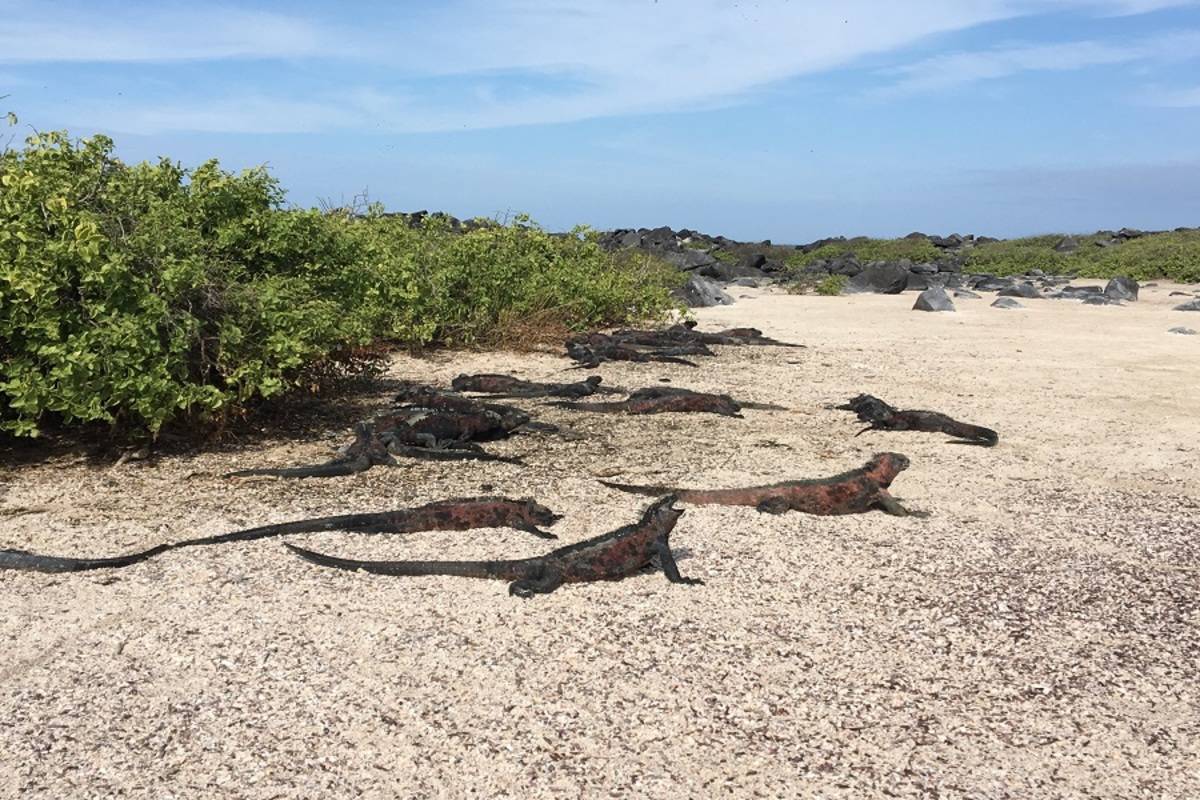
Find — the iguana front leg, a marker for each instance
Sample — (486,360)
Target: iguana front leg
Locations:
(667,559)
(535,530)
(891,505)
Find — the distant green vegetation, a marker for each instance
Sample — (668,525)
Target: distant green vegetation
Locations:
(1173,256)
(918,251)
(810,283)
(136,295)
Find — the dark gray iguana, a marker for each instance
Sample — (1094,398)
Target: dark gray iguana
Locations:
(608,557)
(883,417)
(509,387)
(660,399)
(425,423)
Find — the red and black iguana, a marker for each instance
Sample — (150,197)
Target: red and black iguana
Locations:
(608,557)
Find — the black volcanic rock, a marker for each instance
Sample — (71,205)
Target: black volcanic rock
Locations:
(1026,290)
(687,259)
(719,270)
(659,238)
(933,299)
(990,283)
(847,265)
(946,242)
(700,292)
(880,278)
(1122,288)
(1077,292)
(919,282)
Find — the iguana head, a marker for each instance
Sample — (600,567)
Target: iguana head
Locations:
(538,514)
(884,467)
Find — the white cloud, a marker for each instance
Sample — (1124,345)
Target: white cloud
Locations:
(111,33)
(958,69)
(575,59)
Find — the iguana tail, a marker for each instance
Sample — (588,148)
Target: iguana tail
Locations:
(32,562)
(761,406)
(974,434)
(672,360)
(501,570)
(649,491)
(381,522)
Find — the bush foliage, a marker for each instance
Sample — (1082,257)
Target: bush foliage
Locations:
(1174,255)
(138,294)
(916,250)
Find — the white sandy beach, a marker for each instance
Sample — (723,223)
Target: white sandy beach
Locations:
(1037,635)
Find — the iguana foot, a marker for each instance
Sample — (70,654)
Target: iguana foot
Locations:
(528,587)
(538,532)
(774,505)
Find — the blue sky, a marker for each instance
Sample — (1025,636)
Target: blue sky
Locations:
(781,120)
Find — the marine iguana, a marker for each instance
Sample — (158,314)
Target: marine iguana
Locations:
(444,515)
(883,417)
(374,444)
(608,557)
(657,400)
(427,423)
(508,386)
(649,342)
(590,357)
(852,492)
(686,332)
(366,451)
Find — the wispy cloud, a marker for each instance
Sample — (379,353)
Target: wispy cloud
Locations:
(111,33)
(959,69)
(497,63)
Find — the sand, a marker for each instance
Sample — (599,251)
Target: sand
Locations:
(1038,635)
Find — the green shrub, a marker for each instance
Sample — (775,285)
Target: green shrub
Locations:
(470,284)
(1174,256)
(134,295)
(919,251)
(831,285)
(1016,256)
